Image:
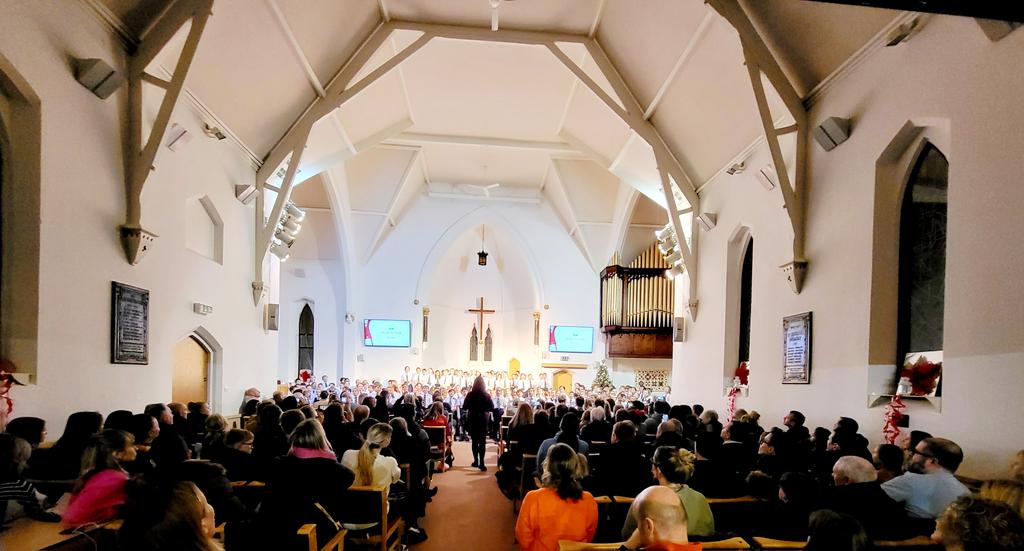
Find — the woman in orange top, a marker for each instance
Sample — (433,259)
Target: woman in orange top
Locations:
(560,509)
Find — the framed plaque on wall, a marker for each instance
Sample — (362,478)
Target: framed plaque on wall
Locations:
(129,324)
(796,349)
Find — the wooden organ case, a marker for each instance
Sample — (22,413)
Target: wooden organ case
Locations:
(636,307)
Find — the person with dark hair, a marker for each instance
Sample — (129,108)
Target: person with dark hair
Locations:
(929,486)
(658,415)
(198,412)
(711,476)
(289,403)
(290,504)
(976,524)
(845,443)
(479,407)
(29,429)
(291,419)
(598,429)
(622,469)
(270,439)
(673,468)
(16,491)
(100,490)
(118,420)
(888,460)
(161,516)
(832,531)
(559,509)
(235,455)
(544,427)
(698,410)
(173,463)
(909,443)
(680,412)
(796,432)
(569,429)
(63,460)
(798,498)
(213,440)
(847,425)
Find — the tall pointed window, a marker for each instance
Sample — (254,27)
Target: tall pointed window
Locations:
(922,264)
(746,282)
(306,340)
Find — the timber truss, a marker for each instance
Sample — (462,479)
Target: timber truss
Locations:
(341,89)
(759,59)
(139,154)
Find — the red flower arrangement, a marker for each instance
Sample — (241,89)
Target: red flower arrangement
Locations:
(923,375)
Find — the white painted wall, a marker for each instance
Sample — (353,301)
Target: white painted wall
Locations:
(317,286)
(420,260)
(82,206)
(952,72)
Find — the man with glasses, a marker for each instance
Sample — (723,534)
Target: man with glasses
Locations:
(929,485)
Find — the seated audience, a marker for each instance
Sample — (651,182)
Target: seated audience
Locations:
(436,418)
(412,451)
(672,468)
(340,434)
(100,491)
(291,419)
(269,439)
(712,477)
(173,463)
(709,421)
(370,467)
(598,429)
(525,430)
(213,439)
(858,494)
(832,531)
(659,414)
(661,522)
(623,470)
(928,486)
(251,395)
(559,509)
(19,495)
(119,420)
(162,516)
(198,413)
(796,432)
(788,518)
(568,434)
(976,524)
(670,433)
(291,502)
(909,443)
(63,460)
(29,429)
(888,460)
(236,456)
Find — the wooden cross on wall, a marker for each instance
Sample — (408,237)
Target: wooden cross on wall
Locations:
(480,313)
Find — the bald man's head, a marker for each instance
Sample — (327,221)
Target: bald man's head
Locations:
(660,516)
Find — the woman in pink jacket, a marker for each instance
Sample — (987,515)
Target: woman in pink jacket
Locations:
(100,491)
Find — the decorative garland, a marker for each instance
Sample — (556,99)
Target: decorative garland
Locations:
(731,409)
(893,414)
(7,381)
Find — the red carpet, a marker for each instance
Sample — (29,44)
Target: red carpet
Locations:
(469,512)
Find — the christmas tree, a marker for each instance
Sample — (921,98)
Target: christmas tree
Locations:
(602,379)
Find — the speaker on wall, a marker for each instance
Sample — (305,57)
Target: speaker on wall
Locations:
(832,132)
(270,316)
(101,79)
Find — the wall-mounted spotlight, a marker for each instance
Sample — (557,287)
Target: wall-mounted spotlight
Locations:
(280,250)
(213,132)
(736,168)
(284,237)
(295,212)
(291,226)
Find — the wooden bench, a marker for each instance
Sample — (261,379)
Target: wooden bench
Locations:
(366,505)
(735,544)
(438,445)
(769,543)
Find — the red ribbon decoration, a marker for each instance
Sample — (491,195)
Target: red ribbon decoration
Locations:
(890,430)
(733,392)
(7,380)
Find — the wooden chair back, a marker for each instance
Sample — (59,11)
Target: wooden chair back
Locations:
(307,533)
(438,445)
(366,505)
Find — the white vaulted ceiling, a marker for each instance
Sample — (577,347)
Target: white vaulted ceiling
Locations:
(461,115)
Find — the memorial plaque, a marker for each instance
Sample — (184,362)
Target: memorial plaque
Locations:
(129,325)
(796,349)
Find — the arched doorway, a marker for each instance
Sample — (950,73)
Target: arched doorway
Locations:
(190,379)
(306,341)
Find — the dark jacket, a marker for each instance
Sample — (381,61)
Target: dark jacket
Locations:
(294,488)
(238,464)
(622,470)
(880,515)
(597,431)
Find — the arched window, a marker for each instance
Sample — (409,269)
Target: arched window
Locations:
(306,340)
(922,256)
(746,281)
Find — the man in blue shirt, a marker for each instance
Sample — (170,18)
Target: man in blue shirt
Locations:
(929,485)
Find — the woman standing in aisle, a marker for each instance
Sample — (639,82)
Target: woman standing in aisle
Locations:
(479,405)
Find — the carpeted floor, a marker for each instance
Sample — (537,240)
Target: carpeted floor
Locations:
(469,513)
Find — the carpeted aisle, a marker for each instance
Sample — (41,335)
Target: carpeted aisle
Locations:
(468,512)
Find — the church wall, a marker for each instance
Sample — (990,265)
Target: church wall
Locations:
(948,74)
(82,206)
(388,284)
(317,286)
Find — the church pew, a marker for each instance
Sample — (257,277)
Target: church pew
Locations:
(916,543)
(769,543)
(438,445)
(25,533)
(733,515)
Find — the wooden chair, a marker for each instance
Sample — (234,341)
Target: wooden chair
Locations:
(438,445)
(366,505)
(406,475)
(527,479)
(769,543)
(308,533)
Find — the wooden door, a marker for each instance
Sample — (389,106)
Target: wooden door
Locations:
(560,379)
(513,367)
(191,372)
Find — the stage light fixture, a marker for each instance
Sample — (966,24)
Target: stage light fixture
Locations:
(295,212)
(280,250)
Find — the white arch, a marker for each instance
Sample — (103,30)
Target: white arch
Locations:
(215,378)
(476,217)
